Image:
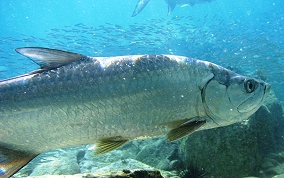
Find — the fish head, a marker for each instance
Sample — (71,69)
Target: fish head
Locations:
(229,97)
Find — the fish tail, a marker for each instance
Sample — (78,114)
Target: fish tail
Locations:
(11,160)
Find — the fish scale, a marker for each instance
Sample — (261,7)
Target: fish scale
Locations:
(74,99)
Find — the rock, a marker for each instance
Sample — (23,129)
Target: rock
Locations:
(56,167)
(222,153)
(164,164)
(159,154)
(237,150)
(279,176)
(88,161)
(54,162)
(127,164)
(175,164)
(65,163)
(136,173)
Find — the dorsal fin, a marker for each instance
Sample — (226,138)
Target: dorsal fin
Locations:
(49,58)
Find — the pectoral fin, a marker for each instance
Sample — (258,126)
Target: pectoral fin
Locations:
(184,129)
(11,160)
(108,144)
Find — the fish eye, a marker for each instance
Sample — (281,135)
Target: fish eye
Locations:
(250,85)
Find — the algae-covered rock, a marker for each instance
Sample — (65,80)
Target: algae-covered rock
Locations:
(89,162)
(237,150)
(136,173)
(122,164)
(279,176)
(54,162)
(160,154)
(222,152)
(57,167)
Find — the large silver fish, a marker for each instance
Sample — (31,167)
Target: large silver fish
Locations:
(74,99)
(171,4)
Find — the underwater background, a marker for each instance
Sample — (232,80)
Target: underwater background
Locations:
(244,36)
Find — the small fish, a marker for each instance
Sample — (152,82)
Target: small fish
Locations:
(74,99)
(171,4)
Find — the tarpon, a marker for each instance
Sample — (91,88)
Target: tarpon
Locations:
(74,99)
(171,4)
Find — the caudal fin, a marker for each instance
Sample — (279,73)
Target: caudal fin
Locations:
(11,160)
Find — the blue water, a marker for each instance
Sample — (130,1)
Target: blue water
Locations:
(245,36)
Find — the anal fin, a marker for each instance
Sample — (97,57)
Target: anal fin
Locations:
(184,129)
(108,144)
(11,160)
